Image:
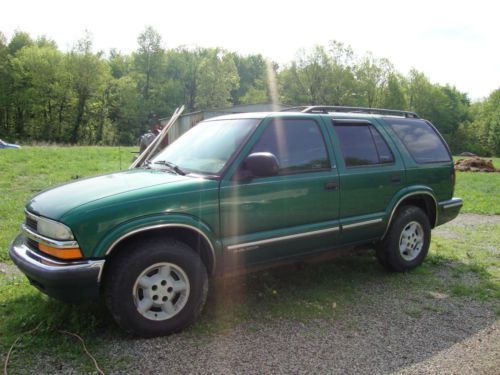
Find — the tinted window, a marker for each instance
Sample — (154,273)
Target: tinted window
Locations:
(362,145)
(421,140)
(298,145)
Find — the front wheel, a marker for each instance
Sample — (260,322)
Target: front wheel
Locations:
(407,242)
(156,287)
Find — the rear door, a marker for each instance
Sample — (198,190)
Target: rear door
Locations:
(288,214)
(371,172)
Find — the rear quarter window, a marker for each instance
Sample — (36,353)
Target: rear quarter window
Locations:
(421,140)
(362,145)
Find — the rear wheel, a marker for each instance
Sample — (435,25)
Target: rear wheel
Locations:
(407,242)
(156,287)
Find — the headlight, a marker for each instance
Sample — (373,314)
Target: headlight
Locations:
(53,229)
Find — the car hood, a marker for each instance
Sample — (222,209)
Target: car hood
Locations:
(55,202)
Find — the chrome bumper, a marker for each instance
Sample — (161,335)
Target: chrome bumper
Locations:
(22,251)
(70,281)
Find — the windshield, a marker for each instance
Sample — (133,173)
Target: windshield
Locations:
(207,147)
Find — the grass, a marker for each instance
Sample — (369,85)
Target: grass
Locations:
(27,171)
(473,256)
(330,290)
(480,191)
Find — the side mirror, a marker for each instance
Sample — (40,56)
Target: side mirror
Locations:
(262,164)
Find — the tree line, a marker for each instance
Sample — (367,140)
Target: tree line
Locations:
(87,97)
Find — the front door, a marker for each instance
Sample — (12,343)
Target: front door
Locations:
(288,214)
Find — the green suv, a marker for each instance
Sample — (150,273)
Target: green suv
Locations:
(237,192)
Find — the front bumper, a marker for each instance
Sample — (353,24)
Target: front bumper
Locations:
(68,281)
(448,210)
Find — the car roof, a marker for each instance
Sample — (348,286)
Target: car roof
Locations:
(262,115)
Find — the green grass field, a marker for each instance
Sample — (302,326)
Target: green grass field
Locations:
(480,191)
(30,170)
(464,264)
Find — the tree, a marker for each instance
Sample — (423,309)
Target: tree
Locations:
(218,77)
(372,77)
(183,67)
(125,109)
(89,75)
(482,134)
(19,41)
(44,86)
(5,86)
(252,71)
(394,96)
(342,86)
(148,58)
(119,64)
(320,76)
(83,97)
(306,80)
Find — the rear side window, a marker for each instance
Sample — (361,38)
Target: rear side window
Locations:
(362,144)
(421,140)
(298,145)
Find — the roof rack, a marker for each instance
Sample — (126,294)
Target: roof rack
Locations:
(330,108)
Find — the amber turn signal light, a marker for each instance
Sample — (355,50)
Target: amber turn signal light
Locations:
(73,253)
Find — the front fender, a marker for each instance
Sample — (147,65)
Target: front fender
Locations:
(124,230)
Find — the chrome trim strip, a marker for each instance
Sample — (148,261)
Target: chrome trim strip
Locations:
(32,216)
(362,223)
(406,196)
(47,264)
(455,204)
(282,238)
(143,229)
(48,241)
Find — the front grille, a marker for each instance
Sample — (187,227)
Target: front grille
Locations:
(31,223)
(32,244)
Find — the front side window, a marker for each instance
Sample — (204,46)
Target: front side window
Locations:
(420,139)
(362,144)
(208,146)
(297,143)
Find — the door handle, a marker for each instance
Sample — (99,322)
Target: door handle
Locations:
(395,178)
(331,185)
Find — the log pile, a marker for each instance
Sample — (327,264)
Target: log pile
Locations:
(475,164)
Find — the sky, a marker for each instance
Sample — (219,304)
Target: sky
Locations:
(452,41)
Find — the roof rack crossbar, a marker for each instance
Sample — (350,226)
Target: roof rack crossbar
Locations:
(327,109)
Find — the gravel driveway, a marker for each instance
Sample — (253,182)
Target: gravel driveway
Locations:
(381,335)
(462,338)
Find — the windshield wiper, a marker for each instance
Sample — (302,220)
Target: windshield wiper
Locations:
(171,166)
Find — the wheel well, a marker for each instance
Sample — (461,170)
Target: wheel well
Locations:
(189,236)
(423,201)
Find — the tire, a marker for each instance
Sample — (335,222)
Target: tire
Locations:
(156,287)
(407,242)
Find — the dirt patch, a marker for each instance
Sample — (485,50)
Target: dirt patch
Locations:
(465,221)
(475,164)
(9,269)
